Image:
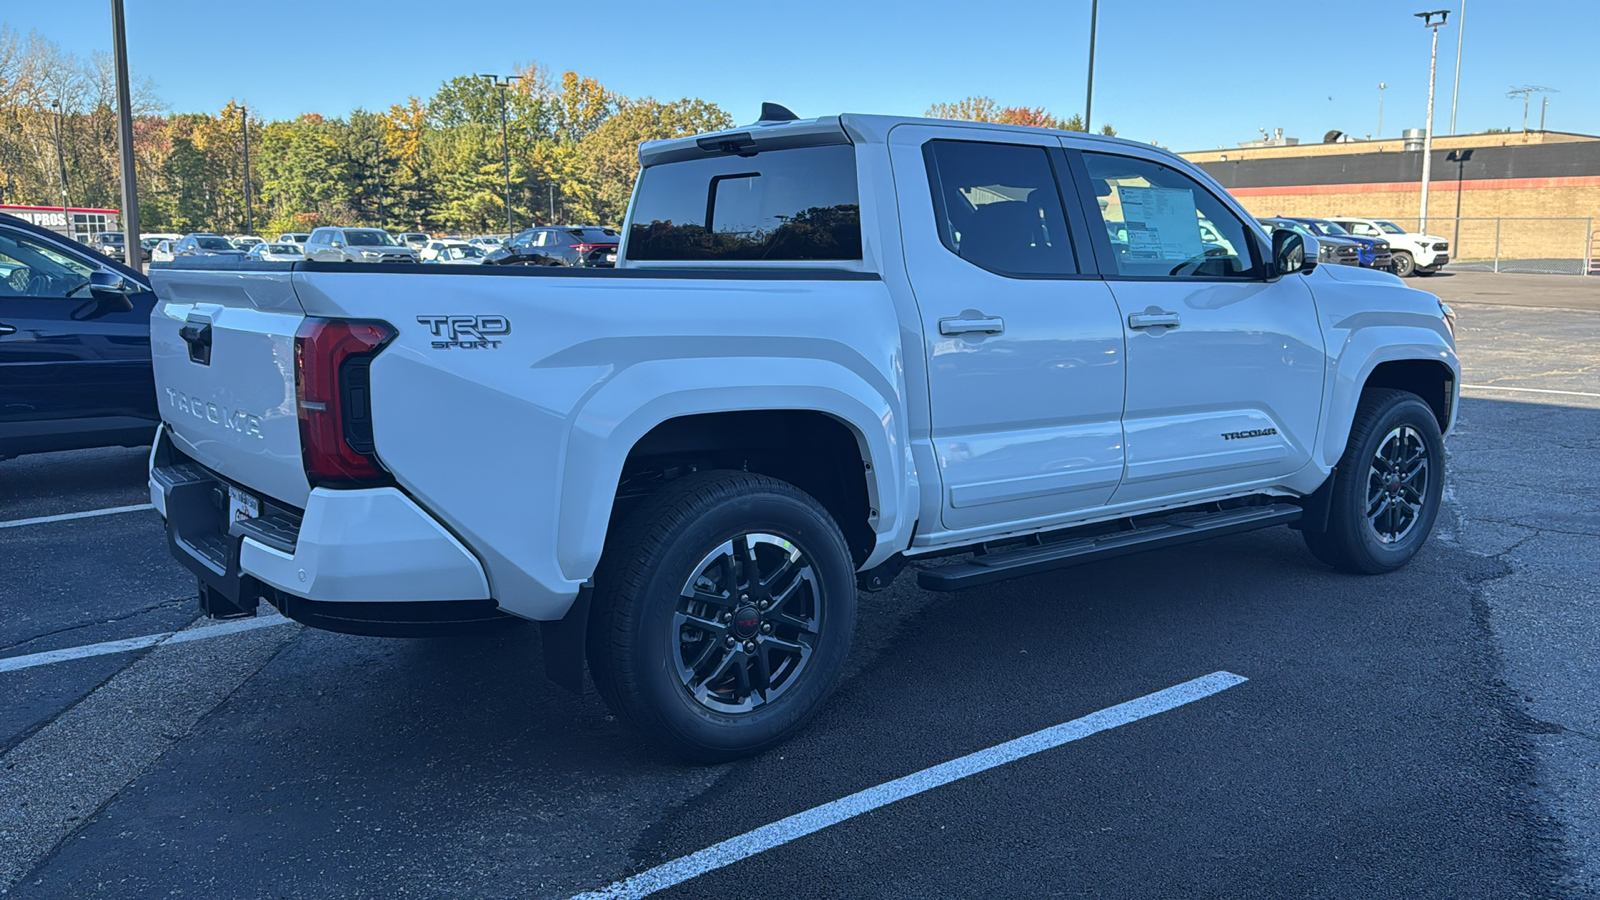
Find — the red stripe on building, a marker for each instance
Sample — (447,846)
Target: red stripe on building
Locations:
(1401,187)
(76,209)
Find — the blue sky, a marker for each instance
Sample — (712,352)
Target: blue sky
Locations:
(1186,74)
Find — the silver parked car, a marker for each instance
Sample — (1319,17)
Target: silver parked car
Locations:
(360,245)
(274,252)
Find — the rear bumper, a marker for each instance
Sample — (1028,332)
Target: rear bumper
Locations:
(349,547)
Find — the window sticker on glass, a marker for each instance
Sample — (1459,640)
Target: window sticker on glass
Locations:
(1161,222)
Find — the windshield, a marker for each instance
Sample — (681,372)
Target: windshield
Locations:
(280,248)
(111,237)
(1324,227)
(368,237)
(213,243)
(594,235)
(1390,227)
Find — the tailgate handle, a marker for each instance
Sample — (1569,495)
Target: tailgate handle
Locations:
(196,332)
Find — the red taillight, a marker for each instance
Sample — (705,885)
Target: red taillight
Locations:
(331,386)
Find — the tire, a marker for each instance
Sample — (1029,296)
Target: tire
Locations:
(1379,470)
(1426,272)
(1403,264)
(675,585)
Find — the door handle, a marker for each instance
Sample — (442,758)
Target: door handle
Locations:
(984,325)
(7,329)
(1153,319)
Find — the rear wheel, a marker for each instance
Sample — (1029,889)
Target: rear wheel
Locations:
(723,613)
(1388,487)
(1404,264)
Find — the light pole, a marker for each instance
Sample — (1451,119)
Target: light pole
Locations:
(61,171)
(1455,92)
(504,82)
(1381,88)
(1459,157)
(1088,100)
(133,251)
(1427,133)
(244,127)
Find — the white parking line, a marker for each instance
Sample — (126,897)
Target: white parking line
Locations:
(1495,387)
(817,818)
(67,517)
(13,663)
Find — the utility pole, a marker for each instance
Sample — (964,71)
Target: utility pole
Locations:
(503,83)
(552,203)
(1461,29)
(1381,88)
(1544,106)
(133,251)
(244,126)
(61,168)
(1088,100)
(1427,133)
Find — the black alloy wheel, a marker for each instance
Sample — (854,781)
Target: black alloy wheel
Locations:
(723,611)
(1403,264)
(1386,493)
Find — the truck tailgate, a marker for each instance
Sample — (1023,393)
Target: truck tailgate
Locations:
(222,345)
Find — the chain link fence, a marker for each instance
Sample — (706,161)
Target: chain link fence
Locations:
(1554,246)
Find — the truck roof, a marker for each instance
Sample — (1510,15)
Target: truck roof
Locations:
(853,128)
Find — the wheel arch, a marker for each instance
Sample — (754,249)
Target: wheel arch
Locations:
(616,433)
(1412,359)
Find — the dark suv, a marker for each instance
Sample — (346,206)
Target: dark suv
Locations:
(110,244)
(565,245)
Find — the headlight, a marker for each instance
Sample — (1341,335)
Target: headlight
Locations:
(370,254)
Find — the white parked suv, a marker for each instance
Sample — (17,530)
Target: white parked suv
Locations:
(1423,254)
(830,347)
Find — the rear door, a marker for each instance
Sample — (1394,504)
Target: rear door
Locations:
(70,359)
(1225,363)
(1024,351)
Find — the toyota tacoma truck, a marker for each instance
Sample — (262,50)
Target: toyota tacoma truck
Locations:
(829,347)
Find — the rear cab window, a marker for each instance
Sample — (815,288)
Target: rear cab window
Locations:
(782,206)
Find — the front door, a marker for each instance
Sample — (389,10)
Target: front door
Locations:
(1024,353)
(1225,364)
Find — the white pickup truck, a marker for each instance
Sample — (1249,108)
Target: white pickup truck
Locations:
(829,346)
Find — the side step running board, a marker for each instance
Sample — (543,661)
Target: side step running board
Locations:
(1031,560)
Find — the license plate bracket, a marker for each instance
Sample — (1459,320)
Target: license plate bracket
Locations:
(242,505)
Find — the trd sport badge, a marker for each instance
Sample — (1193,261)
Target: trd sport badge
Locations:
(466,332)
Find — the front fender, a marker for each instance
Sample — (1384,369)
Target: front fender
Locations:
(627,407)
(1370,340)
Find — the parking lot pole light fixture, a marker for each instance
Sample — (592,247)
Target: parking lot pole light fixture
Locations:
(244,128)
(1430,20)
(1459,157)
(133,255)
(503,82)
(1088,100)
(1381,88)
(61,169)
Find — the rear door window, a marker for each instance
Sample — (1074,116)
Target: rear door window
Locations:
(999,207)
(778,205)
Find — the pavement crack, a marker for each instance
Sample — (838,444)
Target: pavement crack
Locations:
(144,610)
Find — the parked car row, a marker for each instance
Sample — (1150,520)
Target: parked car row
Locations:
(1373,243)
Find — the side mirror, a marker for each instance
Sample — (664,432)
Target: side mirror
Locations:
(1291,252)
(336,244)
(104,282)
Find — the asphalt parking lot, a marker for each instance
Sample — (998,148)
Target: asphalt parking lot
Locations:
(1432,733)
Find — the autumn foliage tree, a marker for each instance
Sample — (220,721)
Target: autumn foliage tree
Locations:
(985,109)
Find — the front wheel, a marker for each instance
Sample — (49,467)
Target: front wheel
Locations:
(1386,492)
(724,608)
(1403,264)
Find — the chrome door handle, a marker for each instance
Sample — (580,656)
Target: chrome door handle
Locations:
(7,329)
(985,325)
(1153,320)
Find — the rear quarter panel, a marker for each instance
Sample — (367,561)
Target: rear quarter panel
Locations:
(519,447)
